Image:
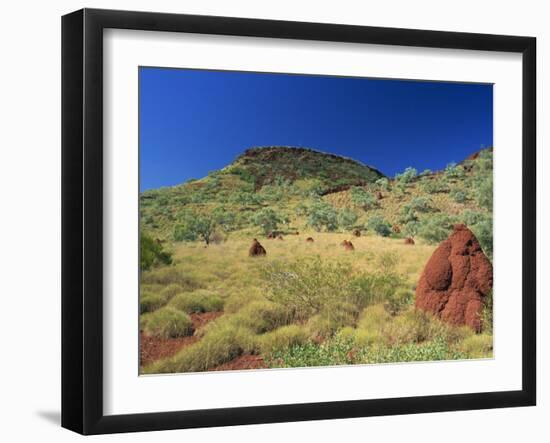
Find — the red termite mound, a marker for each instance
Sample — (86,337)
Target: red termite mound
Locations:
(348,246)
(456,280)
(256,250)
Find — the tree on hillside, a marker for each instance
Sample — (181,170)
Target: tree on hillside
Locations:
(244,198)
(454,171)
(267,219)
(322,215)
(194,226)
(380,225)
(363,198)
(347,218)
(224,218)
(383,183)
(407,175)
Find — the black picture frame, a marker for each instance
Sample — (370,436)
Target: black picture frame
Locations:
(82,218)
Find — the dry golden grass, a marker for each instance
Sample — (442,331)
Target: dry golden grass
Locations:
(253,324)
(228,266)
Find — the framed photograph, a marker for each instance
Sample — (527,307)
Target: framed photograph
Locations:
(269,221)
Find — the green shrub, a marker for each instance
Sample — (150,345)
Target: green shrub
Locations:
(411,228)
(331,319)
(194,226)
(458,196)
(436,228)
(322,215)
(239,300)
(454,171)
(371,324)
(477,346)
(413,326)
(410,211)
(370,288)
(168,323)
(347,218)
(267,220)
(168,275)
(407,176)
(420,204)
(363,198)
(149,302)
(225,219)
(262,316)
(143,318)
(307,285)
(344,348)
(434,184)
(224,341)
(481,224)
(378,224)
(483,192)
(337,351)
(200,300)
(301,210)
(383,184)
(282,338)
(398,301)
(169,291)
(151,253)
(430,351)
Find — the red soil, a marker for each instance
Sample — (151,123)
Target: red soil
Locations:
(153,348)
(245,361)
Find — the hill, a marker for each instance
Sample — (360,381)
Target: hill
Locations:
(268,165)
(296,189)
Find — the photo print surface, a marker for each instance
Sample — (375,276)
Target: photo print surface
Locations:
(293,221)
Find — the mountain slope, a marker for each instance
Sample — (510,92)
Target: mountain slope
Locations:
(269,165)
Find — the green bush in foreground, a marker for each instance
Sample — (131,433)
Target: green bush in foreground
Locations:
(331,319)
(477,346)
(151,253)
(262,316)
(306,286)
(281,338)
(168,323)
(340,351)
(149,302)
(224,341)
(200,300)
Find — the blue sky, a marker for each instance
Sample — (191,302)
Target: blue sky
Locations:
(196,121)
